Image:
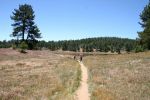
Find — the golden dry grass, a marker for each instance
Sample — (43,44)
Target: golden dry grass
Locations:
(119,77)
(37,75)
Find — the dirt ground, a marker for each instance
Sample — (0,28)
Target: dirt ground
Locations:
(82,92)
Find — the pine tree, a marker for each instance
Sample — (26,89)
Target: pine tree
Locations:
(145,34)
(24,25)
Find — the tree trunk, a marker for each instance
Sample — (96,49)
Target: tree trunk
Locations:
(23,30)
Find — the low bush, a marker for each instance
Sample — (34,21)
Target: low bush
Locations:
(23,46)
(139,48)
(14,46)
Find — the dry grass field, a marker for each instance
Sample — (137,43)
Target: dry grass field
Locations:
(37,75)
(119,77)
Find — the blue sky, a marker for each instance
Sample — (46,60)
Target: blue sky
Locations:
(76,19)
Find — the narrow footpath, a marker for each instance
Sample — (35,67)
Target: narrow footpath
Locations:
(82,92)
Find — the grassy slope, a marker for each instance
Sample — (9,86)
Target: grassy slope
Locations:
(119,77)
(37,75)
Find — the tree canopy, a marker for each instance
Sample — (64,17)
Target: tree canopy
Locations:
(24,26)
(102,44)
(145,34)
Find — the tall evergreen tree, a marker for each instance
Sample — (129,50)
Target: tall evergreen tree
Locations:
(145,34)
(24,25)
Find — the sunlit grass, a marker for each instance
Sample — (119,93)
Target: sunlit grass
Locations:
(119,77)
(42,75)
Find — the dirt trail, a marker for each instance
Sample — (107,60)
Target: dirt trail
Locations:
(82,92)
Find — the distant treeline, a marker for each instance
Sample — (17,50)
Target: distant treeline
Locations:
(102,44)
(6,44)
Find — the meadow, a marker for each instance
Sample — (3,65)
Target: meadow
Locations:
(119,77)
(37,75)
(55,75)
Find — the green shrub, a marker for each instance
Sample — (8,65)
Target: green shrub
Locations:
(14,46)
(23,46)
(139,48)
